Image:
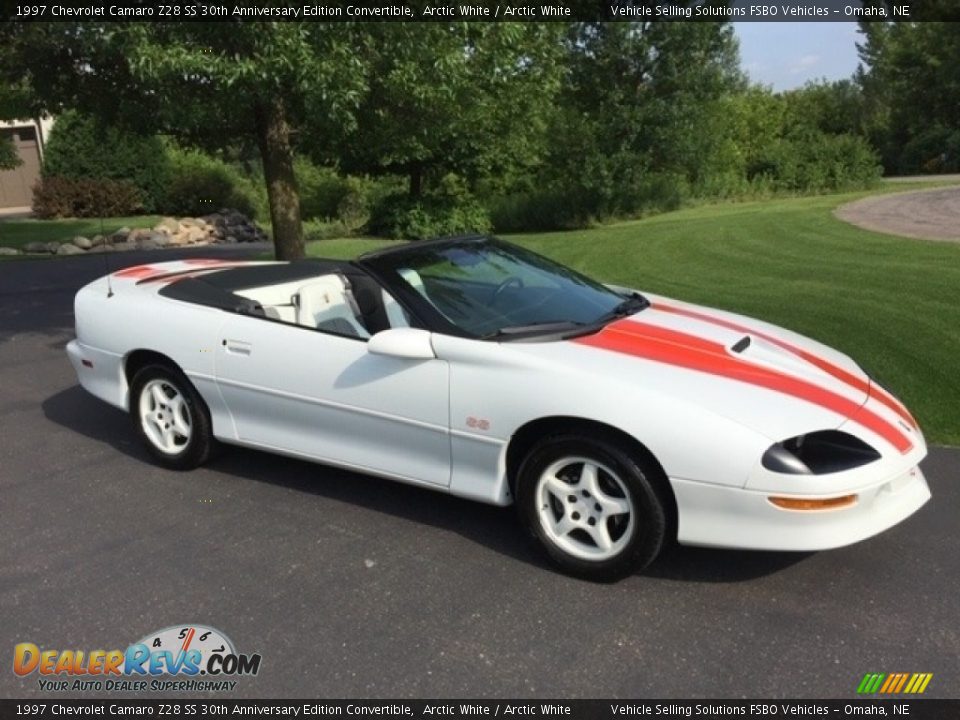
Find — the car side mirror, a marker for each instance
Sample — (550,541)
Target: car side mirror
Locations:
(402,343)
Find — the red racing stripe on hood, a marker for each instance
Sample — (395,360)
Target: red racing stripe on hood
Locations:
(872,389)
(694,353)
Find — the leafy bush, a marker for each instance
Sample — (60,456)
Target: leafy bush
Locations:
(325,230)
(447,211)
(539,210)
(321,189)
(200,184)
(814,161)
(8,154)
(56,196)
(80,147)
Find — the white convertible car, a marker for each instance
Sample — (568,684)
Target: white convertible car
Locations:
(615,421)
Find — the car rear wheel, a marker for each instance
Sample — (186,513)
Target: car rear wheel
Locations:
(170,417)
(592,506)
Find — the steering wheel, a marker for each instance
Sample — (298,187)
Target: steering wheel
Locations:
(512,281)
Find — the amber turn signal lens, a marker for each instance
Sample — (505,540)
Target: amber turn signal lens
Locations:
(809,504)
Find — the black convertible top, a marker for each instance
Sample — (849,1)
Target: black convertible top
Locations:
(217,288)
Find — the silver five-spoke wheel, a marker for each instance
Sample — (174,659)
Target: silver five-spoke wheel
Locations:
(596,505)
(585,508)
(165,416)
(171,416)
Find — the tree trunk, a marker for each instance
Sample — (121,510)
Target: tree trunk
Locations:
(416,181)
(273,137)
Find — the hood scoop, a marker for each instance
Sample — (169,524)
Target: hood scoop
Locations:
(740,345)
(761,352)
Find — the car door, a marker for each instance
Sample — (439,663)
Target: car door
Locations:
(321,395)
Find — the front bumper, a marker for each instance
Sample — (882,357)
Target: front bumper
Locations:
(728,517)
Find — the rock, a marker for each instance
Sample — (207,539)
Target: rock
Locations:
(98,240)
(9,251)
(187,222)
(68,249)
(35,247)
(151,240)
(100,249)
(195,234)
(177,240)
(168,225)
(122,246)
(215,219)
(52,247)
(230,239)
(120,235)
(81,242)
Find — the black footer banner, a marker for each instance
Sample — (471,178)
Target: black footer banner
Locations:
(913,709)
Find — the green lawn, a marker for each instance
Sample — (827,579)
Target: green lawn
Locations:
(893,304)
(17,233)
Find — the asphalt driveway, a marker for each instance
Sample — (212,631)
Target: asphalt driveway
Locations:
(350,586)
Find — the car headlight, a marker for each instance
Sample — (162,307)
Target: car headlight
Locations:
(818,453)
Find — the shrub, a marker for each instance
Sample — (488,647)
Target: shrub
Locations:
(200,184)
(814,161)
(80,147)
(56,196)
(325,230)
(9,159)
(539,210)
(451,210)
(321,189)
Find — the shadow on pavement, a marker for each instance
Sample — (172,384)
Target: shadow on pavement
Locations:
(493,527)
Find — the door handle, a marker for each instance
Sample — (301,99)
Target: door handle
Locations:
(238,347)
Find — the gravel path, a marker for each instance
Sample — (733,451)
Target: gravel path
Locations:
(923,214)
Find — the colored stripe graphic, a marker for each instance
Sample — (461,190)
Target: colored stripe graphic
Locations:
(688,351)
(900,683)
(865,683)
(844,376)
(894,683)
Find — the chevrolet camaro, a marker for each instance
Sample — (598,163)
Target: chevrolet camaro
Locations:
(615,420)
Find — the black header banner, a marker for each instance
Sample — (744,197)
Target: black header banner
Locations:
(913,709)
(484,11)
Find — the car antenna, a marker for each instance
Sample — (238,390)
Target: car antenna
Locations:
(106,262)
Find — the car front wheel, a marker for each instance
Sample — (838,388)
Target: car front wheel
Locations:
(592,506)
(170,417)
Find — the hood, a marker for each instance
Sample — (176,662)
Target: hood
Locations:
(774,381)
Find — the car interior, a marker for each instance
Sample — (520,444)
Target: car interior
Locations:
(329,297)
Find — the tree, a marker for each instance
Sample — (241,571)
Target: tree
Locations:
(467,98)
(911,87)
(833,107)
(639,110)
(209,84)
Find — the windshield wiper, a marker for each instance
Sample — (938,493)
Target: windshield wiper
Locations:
(634,303)
(546,326)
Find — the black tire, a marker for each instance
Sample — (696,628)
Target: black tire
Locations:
(640,540)
(190,452)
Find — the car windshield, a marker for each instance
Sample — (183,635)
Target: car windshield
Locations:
(491,289)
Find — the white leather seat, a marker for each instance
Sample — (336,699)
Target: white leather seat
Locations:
(323,304)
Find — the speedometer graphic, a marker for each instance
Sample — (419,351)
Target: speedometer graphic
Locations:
(178,639)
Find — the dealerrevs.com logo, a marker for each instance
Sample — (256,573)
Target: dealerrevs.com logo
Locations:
(187,657)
